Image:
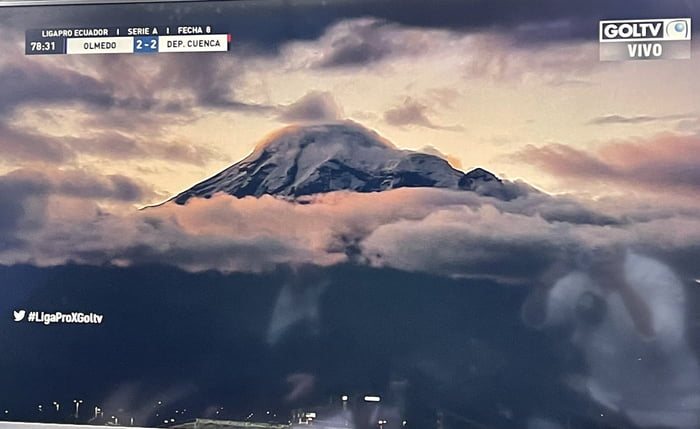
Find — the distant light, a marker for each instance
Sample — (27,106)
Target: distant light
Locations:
(172,420)
(372,399)
(160,403)
(165,421)
(344,397)
(310,415)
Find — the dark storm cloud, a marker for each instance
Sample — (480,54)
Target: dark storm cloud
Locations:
(312,107)
(639,119)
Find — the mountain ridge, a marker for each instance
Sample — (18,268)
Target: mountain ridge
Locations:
(301,160)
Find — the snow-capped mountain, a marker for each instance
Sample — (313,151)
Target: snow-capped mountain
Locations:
(312,159)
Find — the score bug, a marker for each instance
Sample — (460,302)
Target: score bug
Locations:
(146,45)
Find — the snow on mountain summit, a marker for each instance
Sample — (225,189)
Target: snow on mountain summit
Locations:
(310,159)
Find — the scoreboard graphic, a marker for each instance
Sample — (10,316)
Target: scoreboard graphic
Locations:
(645,39)
(125,40)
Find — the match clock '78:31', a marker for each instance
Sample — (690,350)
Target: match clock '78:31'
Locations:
(146,44)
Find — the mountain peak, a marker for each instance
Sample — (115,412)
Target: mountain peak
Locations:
(341,133)
(310,159)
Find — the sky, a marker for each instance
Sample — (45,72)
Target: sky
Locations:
(515,89)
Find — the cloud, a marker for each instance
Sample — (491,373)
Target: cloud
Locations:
(689,125)
(563,160)
(27,182)
(17,144)
(360,42)
(209,79)
(640,119)
(545,20)
(410,112)
(31,83)
(356,43)
(168,91)
(413,113)
(111,187)
(503,57)
(315,106)
(115,145)
(363,42)
(665,161)
(432,150)
(484,54)
(443,97)
(118,118)
(24,208)
(27,200)
(447,232)
(464,241)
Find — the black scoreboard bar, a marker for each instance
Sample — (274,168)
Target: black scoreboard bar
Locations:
(125,40)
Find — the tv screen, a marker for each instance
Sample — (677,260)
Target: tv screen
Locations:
(350,214)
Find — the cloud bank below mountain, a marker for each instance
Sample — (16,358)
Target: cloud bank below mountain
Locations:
(447,232)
